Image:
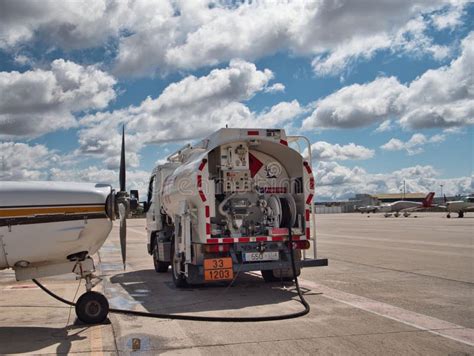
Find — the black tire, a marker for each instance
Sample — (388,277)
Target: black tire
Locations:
(448,216)
(160,266)
(269,277)
(92,308)
(178,279)
(461,214)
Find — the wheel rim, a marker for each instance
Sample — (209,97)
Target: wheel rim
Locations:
(93,308)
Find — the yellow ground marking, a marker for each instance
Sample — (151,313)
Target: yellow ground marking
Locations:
(96,340)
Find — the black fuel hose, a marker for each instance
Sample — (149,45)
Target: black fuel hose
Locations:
(209,318)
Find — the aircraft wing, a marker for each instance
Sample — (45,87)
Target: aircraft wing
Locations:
(412,209)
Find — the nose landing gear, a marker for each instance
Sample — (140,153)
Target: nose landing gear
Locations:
(91,307)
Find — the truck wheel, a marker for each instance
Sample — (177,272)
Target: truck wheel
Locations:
(160,266)
(178,279)
(92,308)
(461,214)
(268,276)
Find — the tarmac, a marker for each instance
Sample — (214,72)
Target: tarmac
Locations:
(393,286)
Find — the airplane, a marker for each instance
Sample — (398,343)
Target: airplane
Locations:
(53,228)
(368,209)
(406,206)
(461,206)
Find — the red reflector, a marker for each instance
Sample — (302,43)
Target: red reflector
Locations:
(199,181)
(283,142)
(203,197)
(217,248)
(307,166)
(208,211)
(307,214)
(258,239)
(228,240)
(244,239)
(203,164)
(302,245)
(311,183)
(253,133)
(212,241)
(309,199)
(279,231)
(208,229)
(308,233)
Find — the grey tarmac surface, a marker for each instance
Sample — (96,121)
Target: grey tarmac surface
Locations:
(394,286)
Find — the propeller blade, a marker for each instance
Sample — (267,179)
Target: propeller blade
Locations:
(122,163)
(123,231)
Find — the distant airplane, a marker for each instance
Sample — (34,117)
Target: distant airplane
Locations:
(368,209)
(400,206)
(461,206)
(406,206)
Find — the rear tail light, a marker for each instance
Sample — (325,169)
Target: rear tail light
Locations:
(217,248)
(300,245)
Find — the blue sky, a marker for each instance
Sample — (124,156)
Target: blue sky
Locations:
(382,101)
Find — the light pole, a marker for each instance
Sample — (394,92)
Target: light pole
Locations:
(441,186)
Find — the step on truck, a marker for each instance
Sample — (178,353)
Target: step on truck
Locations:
(226,205)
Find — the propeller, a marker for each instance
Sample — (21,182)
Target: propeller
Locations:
(123,202)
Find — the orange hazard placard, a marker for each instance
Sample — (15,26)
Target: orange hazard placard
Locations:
(216,269)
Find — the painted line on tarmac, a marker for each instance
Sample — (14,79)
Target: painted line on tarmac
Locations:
(391,248)
(400,241)
(96,341)
(137,231)
(420,321)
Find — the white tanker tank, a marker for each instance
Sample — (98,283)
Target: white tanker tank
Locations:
(226,205)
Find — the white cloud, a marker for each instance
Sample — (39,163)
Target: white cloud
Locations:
(20,161)
(136,179)
(41,101)
(357,105)
(414,145)
(336,182)
(442,97)
(188,109)
(24,162)
(324,151)
(164,36)
(277,87)
(449,17)
(66,24)
(384,126)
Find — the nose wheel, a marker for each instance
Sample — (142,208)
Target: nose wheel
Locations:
(92,308)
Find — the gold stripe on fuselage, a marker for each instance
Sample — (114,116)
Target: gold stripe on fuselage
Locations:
(21,212)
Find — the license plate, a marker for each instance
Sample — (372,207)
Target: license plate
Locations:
(257,256)
(218,269)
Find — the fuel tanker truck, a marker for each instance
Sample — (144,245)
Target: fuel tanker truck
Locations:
(229,204)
